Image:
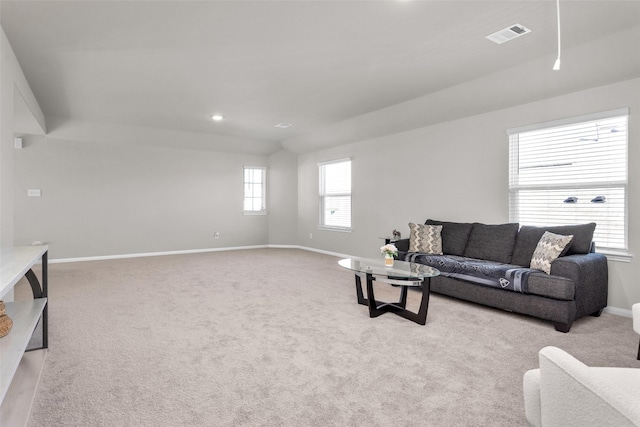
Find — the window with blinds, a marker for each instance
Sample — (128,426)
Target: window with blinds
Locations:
(570,172)
(335,194)
(255,190)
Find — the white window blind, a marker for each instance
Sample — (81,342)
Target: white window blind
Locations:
(255,190)
(570,173)
(335,194)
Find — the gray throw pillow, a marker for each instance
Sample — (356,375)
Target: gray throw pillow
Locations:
(425,238)
(548,249)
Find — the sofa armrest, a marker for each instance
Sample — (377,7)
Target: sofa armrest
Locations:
(402,245)
(590,274)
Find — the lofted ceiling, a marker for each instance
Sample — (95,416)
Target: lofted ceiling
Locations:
(321,66)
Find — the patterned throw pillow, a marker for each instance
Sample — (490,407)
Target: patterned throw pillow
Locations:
(425,238)
(549,248)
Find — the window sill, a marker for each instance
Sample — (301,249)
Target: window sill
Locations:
(338,229)
(254,212)
(619,256)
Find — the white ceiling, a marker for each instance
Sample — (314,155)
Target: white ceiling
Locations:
(330,68)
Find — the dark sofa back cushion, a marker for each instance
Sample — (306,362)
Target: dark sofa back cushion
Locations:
(529,236)
(492,242)
(454,236)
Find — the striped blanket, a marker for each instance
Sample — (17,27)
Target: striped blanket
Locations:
(487,273)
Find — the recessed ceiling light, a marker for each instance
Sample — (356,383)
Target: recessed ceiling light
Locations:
(283,125)
(217,117)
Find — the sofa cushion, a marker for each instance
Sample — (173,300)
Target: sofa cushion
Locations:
(555,287)
(492,242)
(425,238)
(454,236)
(549,248)
(528,238)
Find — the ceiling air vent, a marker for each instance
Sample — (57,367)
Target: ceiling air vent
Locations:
(509,33)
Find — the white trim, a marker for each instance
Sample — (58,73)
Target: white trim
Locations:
(306,248)
(149,254)
(570,120)
(284,247)
(616,256)
(618,311)
(328,162)
(554,140)
(339,229)
(323,196)
(263,187)
(195,251)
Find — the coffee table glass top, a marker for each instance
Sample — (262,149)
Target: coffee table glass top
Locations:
(400,269)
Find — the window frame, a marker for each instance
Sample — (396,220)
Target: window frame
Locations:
(515,187)
(263,184)
(322,196)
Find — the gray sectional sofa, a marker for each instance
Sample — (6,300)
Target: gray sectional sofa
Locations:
(475,256)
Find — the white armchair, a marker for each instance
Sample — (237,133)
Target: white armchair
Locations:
(566,392)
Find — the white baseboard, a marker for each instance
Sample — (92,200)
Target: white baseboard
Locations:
(148,254)
(618,311)
(194,251)
(284,246)
(306,248)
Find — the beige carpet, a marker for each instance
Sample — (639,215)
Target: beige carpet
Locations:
(275,337)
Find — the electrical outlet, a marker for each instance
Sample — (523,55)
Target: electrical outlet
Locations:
(216,235)
(311,235)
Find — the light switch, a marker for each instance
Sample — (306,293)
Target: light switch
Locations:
(33,192)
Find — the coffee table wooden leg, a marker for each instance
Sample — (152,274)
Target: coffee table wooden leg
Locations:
(424,302)
(370,301)
(403,296)
(374,311)
(361,299)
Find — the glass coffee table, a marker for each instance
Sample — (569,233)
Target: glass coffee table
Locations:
(403,274)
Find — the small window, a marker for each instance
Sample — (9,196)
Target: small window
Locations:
(255,190)
(572,171)
(335,194)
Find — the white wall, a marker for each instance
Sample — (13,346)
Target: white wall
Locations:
(111,198)
(458,171)
(282,198)
(13,86)
(6,154)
